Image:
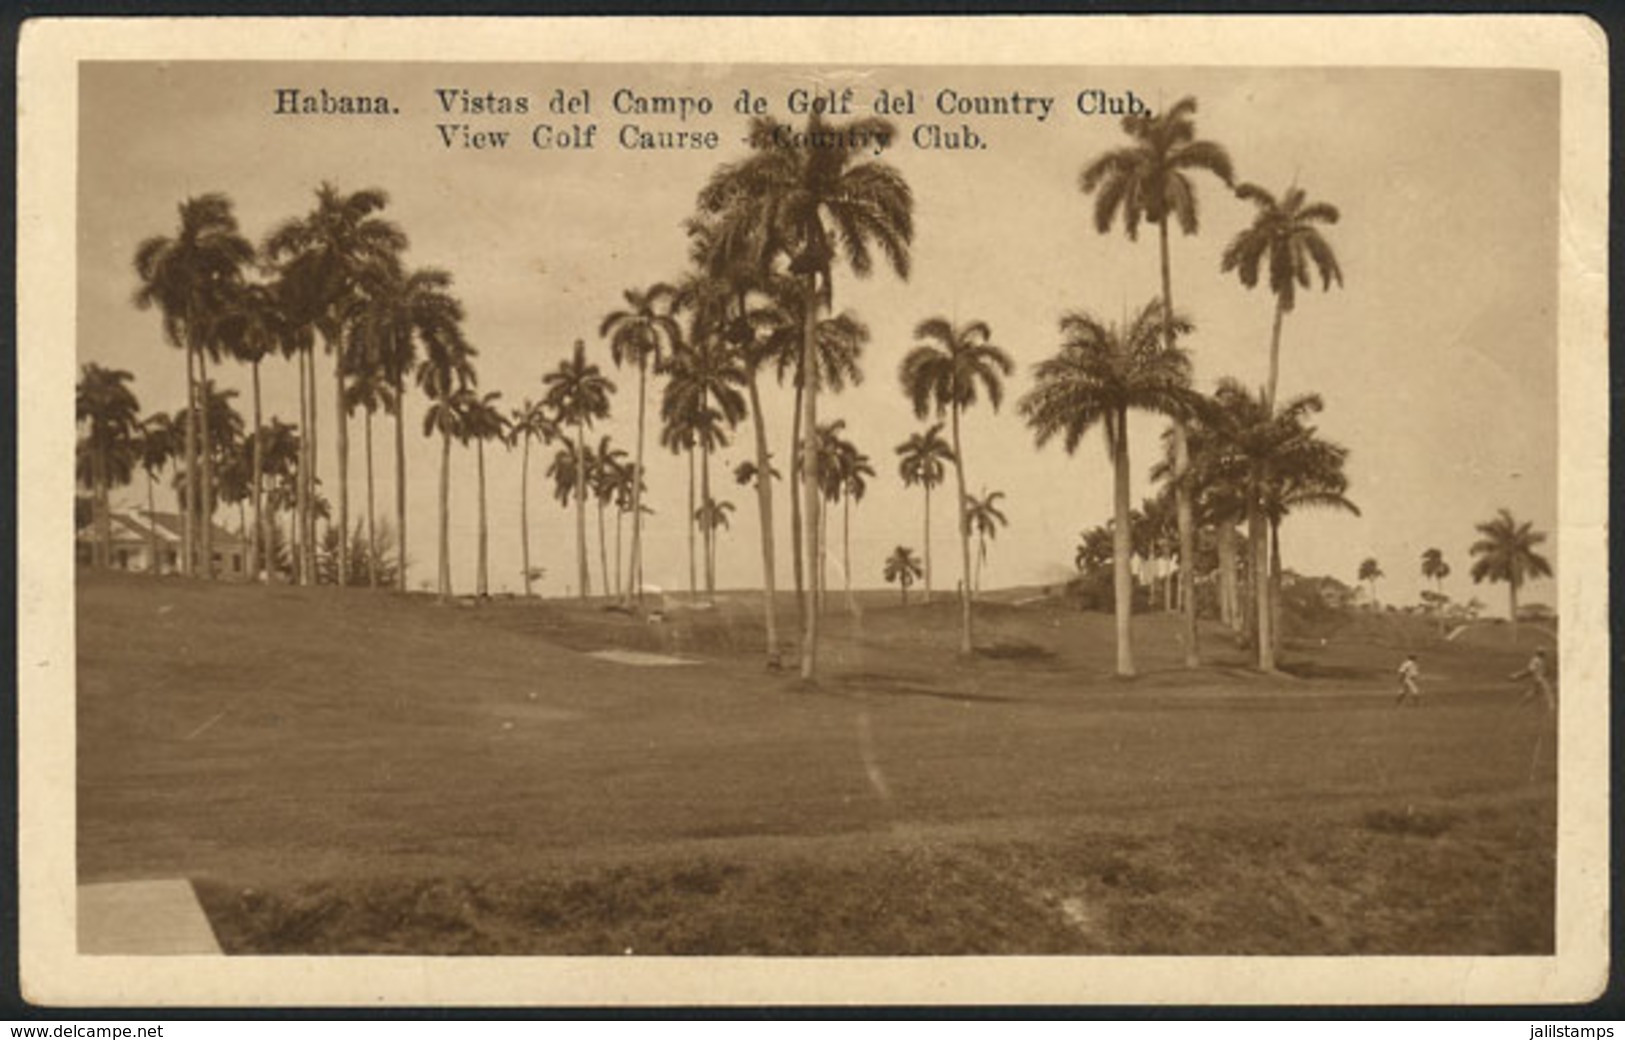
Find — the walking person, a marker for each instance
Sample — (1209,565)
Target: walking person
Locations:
(1409,673)
(1539,684)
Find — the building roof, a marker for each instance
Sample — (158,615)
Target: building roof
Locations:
(137,526)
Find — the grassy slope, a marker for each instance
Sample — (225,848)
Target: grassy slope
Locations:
(392,775)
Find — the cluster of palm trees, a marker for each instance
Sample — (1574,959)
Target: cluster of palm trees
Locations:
(769,233)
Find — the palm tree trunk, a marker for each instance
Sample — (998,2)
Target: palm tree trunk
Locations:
(483,581)
(603,552)
(1512,602)
(101,539)
(926,554)
(372,531)
(299,532)
(1275,586)
(796,532)
(583,572)
(400,477)
(620,515)
(1275,359)
(445,515)
(635,561)
(821,603)
(809,469)
(189,506)
(524,511)
(312,454)
(206,491)
(693,582)
(965,643)
(764,508)
(710,526)
(153,566)
(1182,495)
(343,443)
(1227,574)
(1122,580)
(846,552)
(260,544)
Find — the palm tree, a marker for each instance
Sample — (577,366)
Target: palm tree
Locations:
(1284,234)
(158,442)
(702,402)
(1100,374)
(1506,552)
(447,377)
(402,312)
(578,392)
(530,421)
(902,568)
(1370,571)
(985,518)
(370,389)
(1433,566)
(727,250)
(837,358)
(1149,179)
(810,205)
(609,470)
(851,470)
(253,328)
(712,516)
(104,402)
(641,334)
(186,277)
(482,421)
(349,253)
(922,460)
(943,373)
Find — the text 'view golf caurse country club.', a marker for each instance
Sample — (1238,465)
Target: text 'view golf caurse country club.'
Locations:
(684,110)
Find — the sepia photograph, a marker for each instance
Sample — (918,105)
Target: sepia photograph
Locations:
(626,511)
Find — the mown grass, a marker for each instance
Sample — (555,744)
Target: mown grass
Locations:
(342,771)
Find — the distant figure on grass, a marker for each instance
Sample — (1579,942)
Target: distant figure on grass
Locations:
(1535,672)
(1409,673)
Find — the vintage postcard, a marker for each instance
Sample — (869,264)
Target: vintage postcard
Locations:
(744,511)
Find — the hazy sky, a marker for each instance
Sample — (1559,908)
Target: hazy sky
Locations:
(1437,359)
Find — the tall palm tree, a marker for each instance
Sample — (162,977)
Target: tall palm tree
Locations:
(944,373)
(703,399)
(482,421)
(370,389)
(837,355)
(579,393)
(350,253)
(641,334)
(158,443)
(1150,179)
(530,421)
(1272,460)
(1285,235)
(447,376)
(848,472)
(186,276)
(1506,552)
(1101,373)
(726,248)
(985,518)
(608,471)
(253,328)
(902,568)
(922,460)
(1370,571)
(813,204)
(107,407)
(403,312)
(711,517)
(569,471)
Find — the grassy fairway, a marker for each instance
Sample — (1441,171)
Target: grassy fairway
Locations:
(348,771)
